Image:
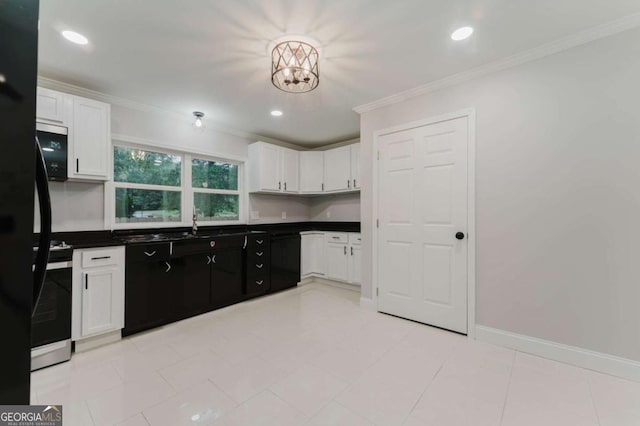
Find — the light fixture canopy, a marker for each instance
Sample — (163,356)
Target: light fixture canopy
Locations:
(198,115)
(75,37)
(462,33)
(294,66)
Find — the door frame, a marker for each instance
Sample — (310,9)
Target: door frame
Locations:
(470,114)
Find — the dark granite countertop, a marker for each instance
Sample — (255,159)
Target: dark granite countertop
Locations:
(88,239)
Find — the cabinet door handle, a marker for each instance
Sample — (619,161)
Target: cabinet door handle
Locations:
(351,251)
(354,183)
(213,259)
(208,260)
(259,242)
(168,267)
(245,243)
(77,165)
(336,238)
(285,186)
(345,250)
(279,186)
(259,266)
(349,183)
(150,254)
(86,281)
(101,257)
(323,186)
(259,253)
(259,282)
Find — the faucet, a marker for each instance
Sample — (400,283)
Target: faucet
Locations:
(194,226)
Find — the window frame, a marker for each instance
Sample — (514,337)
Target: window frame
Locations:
(185,188)
(239,192)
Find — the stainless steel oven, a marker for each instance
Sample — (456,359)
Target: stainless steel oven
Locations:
(51,321)
(54,144)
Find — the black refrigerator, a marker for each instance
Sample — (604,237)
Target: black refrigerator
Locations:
(21,170)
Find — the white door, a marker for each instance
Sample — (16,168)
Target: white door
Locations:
(337,173)
(355,166)
(100,302)
(90,139)
(290,170)
(337,261)
(422,205)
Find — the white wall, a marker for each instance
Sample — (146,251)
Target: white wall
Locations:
(558,199)
(335,208)
(75,206)
(79,206)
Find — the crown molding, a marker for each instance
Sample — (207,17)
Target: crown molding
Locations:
(596,33)
(142,107)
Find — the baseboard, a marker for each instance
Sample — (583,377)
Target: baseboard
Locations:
(96,341)
(368,304)
(585,358)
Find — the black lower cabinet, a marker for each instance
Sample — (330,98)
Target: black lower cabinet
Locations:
(285,261)
(191,293)
(167,282)
(226,277)
(148,284)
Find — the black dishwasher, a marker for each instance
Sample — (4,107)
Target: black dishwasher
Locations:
(285,261)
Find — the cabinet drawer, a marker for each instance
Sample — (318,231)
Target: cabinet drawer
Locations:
(257,285)
(258,243)
(337,237)
(100,257)
(148,252)
(355,239)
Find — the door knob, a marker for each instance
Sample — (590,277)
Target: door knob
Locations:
(460,235)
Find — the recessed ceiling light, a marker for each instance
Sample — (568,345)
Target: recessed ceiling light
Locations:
(75,37)
(462,33)
(276,113)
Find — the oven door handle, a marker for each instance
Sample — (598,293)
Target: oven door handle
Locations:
(44,200)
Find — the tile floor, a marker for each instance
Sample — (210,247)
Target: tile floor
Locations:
(312,357)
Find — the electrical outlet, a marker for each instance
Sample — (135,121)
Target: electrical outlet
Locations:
(255,214)
(284,215)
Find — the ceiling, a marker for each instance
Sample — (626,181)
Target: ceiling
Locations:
(213,56)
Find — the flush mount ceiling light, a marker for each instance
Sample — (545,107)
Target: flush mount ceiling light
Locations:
(294,67)
(198,115)
(276,113)
(462,33)
(75,37)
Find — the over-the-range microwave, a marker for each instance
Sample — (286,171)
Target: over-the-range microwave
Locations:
(53,142)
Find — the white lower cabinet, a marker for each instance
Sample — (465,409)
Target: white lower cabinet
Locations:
(336,256)
(312,254)
(332,255)
(98,291)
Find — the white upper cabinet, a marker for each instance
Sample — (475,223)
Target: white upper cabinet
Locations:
(337,169)
(355,166)
(52,106)
(282,170)
(273,168)
(90,139)
(290,170)
(311,171)
(89,131)
(264,160)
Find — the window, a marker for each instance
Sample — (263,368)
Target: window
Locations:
(147,186)
(216,196)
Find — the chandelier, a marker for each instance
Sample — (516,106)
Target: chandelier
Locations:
(294,67)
